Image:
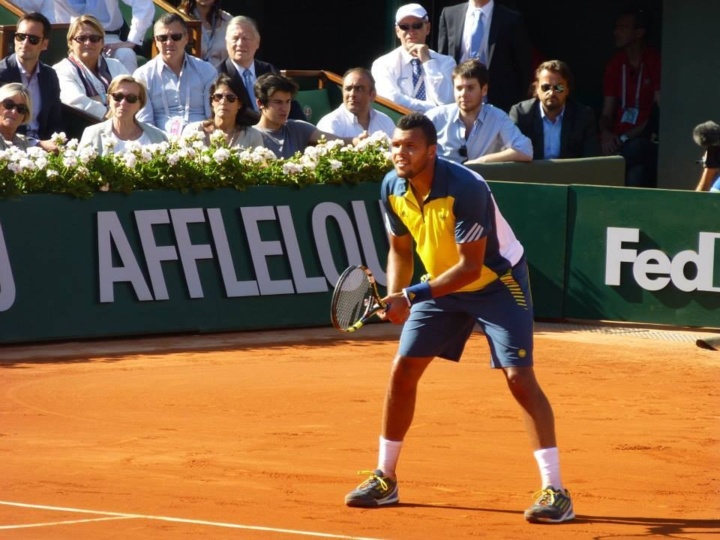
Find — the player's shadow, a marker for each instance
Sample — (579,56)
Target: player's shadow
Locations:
(647,527)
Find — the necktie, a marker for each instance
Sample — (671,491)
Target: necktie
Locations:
(248,82)
(417,72)
(476,41)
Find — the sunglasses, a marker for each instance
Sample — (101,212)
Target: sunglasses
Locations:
(19,37)
(559,88)
(10,105)
(162,38)
(130,98)
(463,153)
(414,26)
(94,38)
(230,98)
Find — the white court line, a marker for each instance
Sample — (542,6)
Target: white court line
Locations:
(122,515)
(71,522)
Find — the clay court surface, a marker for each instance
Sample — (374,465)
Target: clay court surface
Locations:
(260,435)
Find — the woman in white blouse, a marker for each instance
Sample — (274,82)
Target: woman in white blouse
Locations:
(126,96)
(86,74)
(214,26)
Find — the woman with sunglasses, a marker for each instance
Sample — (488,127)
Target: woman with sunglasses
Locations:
(214,26)
(126,96)
(15,111)
(86,74)
(229,115)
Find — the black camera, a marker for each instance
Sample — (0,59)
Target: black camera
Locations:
(707,135)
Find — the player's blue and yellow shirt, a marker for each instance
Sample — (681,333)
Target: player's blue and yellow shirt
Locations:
(459,208)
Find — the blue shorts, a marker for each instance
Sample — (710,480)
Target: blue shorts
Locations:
(503,309)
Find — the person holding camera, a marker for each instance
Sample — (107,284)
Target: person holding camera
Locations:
(707,135)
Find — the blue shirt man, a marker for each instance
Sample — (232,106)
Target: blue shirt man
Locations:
(472,132)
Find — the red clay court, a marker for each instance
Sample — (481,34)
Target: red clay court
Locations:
(260,435)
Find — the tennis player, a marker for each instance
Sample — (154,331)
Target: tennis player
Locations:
(477,273)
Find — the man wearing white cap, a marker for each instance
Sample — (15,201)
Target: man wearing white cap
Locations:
(413,75)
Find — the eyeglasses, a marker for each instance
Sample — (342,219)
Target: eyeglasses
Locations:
(162,38)
(10,105)
(230,98)
(414,26)
(92,38)
(559,88)
(20,37)
(463,153)
(130,98)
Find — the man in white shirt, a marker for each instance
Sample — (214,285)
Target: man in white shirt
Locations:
(356,114)
(109,14)
(413,75)
(178,84)
(45,7)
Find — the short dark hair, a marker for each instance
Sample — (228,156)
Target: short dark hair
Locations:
(416,120)
(266,85)
(39,18)
(559,67)
(472,69)
(364,72)
(171,18)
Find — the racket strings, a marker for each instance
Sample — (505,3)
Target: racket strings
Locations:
(354,296)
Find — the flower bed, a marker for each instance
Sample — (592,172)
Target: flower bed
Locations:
(186,164)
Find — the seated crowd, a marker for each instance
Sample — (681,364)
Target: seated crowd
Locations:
(463,88)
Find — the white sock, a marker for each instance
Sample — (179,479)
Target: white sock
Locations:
(548,460)
(388,455)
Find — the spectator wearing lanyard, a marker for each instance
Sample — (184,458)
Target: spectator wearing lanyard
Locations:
(631,87)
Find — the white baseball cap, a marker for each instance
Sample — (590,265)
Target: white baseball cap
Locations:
(410,10)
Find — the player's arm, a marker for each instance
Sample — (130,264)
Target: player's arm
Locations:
(464,272)
(399,273)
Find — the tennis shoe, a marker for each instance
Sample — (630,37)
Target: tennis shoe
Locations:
(552,506)
(377,490)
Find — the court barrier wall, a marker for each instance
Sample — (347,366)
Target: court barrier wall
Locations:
(164,262)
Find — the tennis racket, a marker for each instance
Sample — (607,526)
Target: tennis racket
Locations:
(355,299)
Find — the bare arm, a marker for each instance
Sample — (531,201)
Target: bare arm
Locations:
(706,179)
(400,266)
(509,154)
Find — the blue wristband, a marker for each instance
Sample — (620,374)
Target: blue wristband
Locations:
(417,293)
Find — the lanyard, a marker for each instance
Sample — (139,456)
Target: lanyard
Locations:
(186,114)
(637,88)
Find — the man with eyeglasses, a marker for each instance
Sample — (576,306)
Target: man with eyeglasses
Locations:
(413,75)
(356,115)
(24,66)
(558,126)
(121,40)
(242,40)
(178,84)
(470,131)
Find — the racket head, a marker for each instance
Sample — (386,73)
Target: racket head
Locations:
(355,299)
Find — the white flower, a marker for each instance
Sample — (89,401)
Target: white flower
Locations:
(51,173)
(59,138)
(291,168)
(72,144)
(70,160)
(217,137)
(129,159)
(173,158)
(335,164)
(198,145)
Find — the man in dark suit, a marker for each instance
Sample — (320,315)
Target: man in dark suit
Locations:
(557,125)
(496,36)
(24,66)
(243,40)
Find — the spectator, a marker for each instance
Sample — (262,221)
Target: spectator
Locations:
(413,75)
(229,115)
(45,7)
(15,110)
(86,74)
(126,96)
(495,35)
(214,26)
(472,132)
(356,114)
(40,79)
(243,40)
(557,125)
(178,84)
(281,134)
(707,135)
(631,87)
(121,40)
